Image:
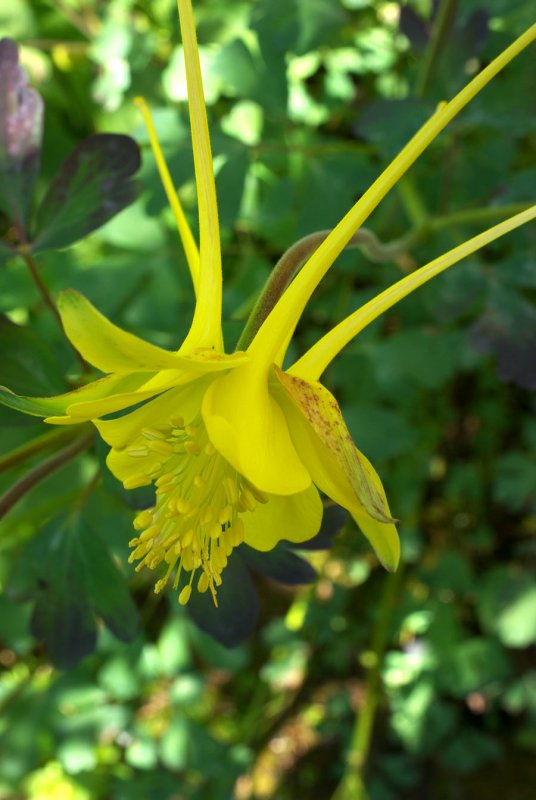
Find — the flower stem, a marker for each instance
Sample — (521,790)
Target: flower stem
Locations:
(42,471)
(45,442)
(440,32)
(292,261)
(351,786)
(47,299)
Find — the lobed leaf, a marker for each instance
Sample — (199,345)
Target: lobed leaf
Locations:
(93,185)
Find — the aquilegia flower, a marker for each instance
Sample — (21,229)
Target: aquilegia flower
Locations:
(238,448)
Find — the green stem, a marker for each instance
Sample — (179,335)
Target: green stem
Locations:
(351,786)
(443,23)
(47,299)
(294,258)
(413,204)
(471,215)
(42,471)
(45,442)
(292,261)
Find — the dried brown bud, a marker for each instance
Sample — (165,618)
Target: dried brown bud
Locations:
(21,108)
(21,133)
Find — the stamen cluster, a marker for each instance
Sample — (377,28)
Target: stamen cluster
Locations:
(195,523)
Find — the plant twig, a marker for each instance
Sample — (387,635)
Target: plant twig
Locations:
(42,471)
(47,299)
(292,261)
(45,442)
(352,786)
(440,32)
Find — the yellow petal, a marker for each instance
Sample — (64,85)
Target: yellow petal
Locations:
(206,324)
(248,428)
(278,326)
(183,401)
(350,481)
(199,364)
(58,405)
(294,518)
(187,239)
(322,413)
(105,345)
(313,363)
(383,538)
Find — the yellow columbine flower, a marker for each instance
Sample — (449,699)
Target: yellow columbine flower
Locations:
(236,447)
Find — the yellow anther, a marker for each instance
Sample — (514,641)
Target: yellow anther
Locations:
(165,478)
(192,448)
(177,421)
(152,434)
(207,515)
(191,430)
(140,551)
(237,532)
(231,490)
(183,505)
(215,531)
(159,585)
(247,501)
(172,554)
(161,447)
(138,452)
(203,582)
(225,514)
(199,482)
(143,519)
(133,542)
(155,557)
(185,595)
(187,538)
(217,579)
(171,539)
(260,496)
(188,560)
(150,533)
(218,558)
(135,481)
(171,507)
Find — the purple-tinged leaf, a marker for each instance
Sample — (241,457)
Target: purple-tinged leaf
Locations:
(279,564)
(513,342)
(93,184)
(6,252)
(414,28)
(21,133)
(475,32)
(69,573)
(236,616)
(333,521)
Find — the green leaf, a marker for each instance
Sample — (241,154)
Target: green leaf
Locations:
(92,186)
(27,363)
(507,606)
(107,588)
(6,252)
(514,485)
(238,607)
(71,576)
(279,564)
(62,615)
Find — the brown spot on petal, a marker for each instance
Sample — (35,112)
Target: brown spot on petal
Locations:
(323,414)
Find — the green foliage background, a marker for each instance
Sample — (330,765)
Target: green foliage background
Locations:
(308,99)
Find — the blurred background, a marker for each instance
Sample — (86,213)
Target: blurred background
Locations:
(423,683)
